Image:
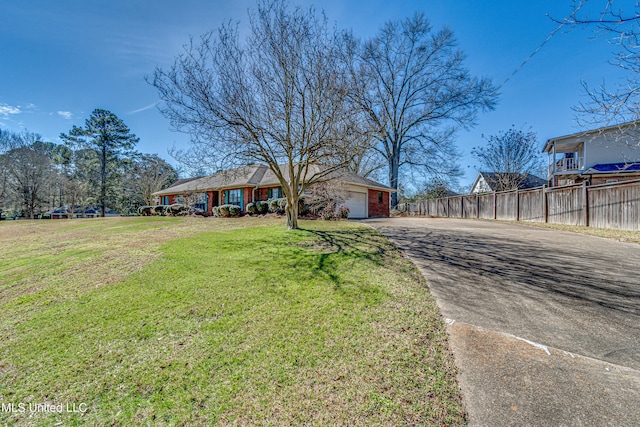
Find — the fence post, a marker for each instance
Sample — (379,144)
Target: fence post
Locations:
(545,207)
(517,205)
(495,207)
(461,206)
(477,206)
(585,203)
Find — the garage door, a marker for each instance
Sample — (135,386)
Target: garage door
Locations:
(357,205)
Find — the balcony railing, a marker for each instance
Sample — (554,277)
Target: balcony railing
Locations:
(567,164)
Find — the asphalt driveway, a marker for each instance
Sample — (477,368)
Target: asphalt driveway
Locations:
(544,325)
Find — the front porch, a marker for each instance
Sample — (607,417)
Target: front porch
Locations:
(565,158)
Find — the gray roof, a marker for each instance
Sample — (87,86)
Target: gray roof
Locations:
(617,127)
(258,176)
(528,181)
(352,178)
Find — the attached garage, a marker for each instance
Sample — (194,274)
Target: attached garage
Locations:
(357,204)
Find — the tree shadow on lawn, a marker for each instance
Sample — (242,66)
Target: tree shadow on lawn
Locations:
(351,246)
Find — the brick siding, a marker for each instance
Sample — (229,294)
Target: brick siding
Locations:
(375,207)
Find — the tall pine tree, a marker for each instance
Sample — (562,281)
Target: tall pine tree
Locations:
(112,141)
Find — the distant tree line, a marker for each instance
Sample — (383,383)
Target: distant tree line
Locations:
(96,165)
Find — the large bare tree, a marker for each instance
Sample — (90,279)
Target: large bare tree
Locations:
(417,92)
(619,23)
(5,146)
(28,170)
(149,174)
(279,97)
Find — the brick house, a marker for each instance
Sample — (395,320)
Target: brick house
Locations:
(251,183)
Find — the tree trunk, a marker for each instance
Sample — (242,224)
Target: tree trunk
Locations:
(103,189)
(72,203)
(292,213)
(394,166)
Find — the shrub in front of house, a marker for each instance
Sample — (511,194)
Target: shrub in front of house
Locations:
(252,209)
(198,211)
(282,204)
(262,207)
(146,210)
(327,214)
(234,210)
(215,211)
(303,207)
(224,210)
(159,210)
(343,212)
(229,210)
(279,206)
(275,205)
(177,209)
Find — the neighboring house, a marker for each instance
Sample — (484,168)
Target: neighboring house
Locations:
(488,182)
(251,183)
(605,155)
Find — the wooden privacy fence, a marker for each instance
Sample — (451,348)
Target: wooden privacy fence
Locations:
(614,206)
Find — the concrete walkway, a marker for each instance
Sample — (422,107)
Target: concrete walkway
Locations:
(544,325)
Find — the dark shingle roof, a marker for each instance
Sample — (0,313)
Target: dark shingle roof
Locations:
(527,181)
(258,176)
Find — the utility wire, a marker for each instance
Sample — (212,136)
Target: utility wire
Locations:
(513,73)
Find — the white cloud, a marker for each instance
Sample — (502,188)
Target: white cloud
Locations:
(65,114)
(7,110)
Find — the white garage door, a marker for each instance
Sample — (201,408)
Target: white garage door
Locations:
(357,205)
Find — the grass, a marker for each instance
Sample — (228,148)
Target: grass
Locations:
(167,321)
(620,235)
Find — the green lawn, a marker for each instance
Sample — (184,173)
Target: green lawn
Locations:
(196,321)
(607,233)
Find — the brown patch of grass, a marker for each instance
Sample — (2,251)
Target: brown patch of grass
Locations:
(620,235)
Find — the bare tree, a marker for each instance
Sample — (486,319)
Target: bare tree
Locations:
(326,196)
(281,97)
(77,194)
(149,174)
(511,157)
(416,92)
(5,146)
(359,157)
(620,25)
(29,170)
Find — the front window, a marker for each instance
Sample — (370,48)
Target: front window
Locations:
(234,197)
(201,201)
(274,193)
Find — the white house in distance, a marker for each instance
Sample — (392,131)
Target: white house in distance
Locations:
(487,182)
(606,155)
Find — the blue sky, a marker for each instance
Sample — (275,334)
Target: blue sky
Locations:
(62,59)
